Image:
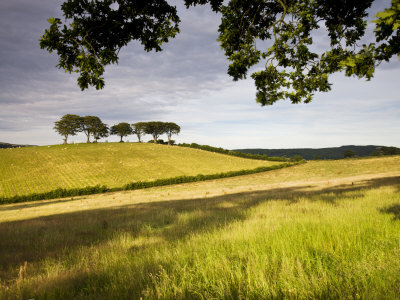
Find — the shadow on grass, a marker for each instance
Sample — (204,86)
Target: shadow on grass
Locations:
(393,210)
(37,239)
(18,206)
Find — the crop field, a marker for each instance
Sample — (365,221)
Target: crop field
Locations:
(41,169)
(325,230)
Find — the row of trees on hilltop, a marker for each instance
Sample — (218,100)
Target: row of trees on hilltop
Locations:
(92,126)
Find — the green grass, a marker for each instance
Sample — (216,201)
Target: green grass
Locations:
(42,169)
(324,230)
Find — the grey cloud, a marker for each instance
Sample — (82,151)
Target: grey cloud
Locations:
(186,83)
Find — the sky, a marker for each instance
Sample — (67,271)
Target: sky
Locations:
(186,83)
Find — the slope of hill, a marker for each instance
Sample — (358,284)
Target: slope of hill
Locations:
(321,230)
(310,153)
(41,169)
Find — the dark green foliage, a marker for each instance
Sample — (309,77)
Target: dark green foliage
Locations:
(381,151)
(139,129)
(233,152)
(100,131)
(349,154)
(95,31)
(159,141)
(57,193)
(387,32)
(278,34)
(155,128)
(297,158)
(170,129)
(121,129)
(92,125)
(292,69)
(68,125)
(200,177)
(309,153)
(89,190)
(7,145)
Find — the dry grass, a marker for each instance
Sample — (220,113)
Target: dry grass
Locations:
(304,232)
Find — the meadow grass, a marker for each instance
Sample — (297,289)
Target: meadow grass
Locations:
(305,232)
(42,169)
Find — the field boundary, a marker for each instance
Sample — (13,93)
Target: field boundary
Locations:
(236,153)
(99,189)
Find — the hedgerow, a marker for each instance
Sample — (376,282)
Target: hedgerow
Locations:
(234,153)
(98,189)
(200,177)
(57,193)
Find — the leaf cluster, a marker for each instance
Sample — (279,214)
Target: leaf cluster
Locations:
(276,37)
(157,128)
(94,32)
(292,69)
(121,129)
(154,128)
(70,124)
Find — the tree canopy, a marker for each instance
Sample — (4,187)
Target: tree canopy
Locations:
(275,35)
(121,129)
(139,130)
(100,130)
(68,125)
(92,125)
(170,129)
(155,128)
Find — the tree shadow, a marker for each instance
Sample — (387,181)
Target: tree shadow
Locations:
(18,206)
(394,210)
(51,237)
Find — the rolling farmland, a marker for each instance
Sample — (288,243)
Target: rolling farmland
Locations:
(325,229)
(41,169)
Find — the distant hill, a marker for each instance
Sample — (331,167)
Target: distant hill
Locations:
(7,145)
(321,153)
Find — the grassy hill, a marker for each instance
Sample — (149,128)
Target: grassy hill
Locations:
(41,169)
(325,230)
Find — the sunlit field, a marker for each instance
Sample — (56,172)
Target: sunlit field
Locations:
(42,169)
(326,229)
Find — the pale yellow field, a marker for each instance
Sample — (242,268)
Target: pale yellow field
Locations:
(322,230)
(312,175)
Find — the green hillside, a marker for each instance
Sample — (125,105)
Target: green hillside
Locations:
(41,169)
(320,230)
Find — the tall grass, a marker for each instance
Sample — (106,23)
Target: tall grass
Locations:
(309,240)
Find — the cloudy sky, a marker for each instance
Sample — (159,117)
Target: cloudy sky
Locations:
(187,84)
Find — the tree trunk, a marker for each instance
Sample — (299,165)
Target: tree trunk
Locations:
(88,138)
(155,139)
(65,139)
(121,141)
(169,139)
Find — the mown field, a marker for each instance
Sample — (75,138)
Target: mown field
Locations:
(41,169)
(325,230)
